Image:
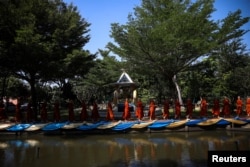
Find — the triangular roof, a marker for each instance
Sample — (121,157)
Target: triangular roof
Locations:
(124,78)
(124,81)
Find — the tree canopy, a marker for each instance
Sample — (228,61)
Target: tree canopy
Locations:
(166,38)
(42,40)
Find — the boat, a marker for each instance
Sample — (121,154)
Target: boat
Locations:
(160,124)
(235,121)
(193,122)
(5,126)
(141,125)
(124,125)
(90,126)
(71,125)
(109,125)
(209,122)
(177,124)
(54,126)
(222,123)
(18,127)
(36,127)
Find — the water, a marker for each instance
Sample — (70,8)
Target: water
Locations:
(117,150)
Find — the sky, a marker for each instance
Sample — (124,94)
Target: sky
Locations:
(101,13)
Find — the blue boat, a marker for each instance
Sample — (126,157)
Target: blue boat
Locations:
(18,127)
(124,126)
(54,126)
(90,126)
(160,124)
(223,122)
(193,122)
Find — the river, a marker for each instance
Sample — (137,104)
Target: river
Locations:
(170,149)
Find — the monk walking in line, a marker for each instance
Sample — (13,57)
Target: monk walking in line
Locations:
(165,113)
(189,108)
(226,107)
(95,114)
(248,107)
(110,114)
(239,105)
(2,108)
(126,113)
(44,115)
(56,114)
(71,111)
(177,109)
(203,111)
(29,113)
(18,114)
(139,110)
(216,108)
(84,113)
(151,112)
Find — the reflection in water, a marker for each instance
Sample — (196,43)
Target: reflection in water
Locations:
(156,149)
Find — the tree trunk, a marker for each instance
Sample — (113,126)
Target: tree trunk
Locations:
(178,90)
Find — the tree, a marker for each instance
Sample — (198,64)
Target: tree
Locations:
(38,36)
(166,38)
(106,70)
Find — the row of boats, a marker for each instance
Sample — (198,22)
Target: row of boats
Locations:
(124,126)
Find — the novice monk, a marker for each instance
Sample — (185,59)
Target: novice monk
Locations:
(151,112)
(226,107)
(110,114)
(248,107)
(177,109)
(44,116)
(71,111)
(95,114)
(239,105)
(2,108)
(189,108)
(57,115)
(84,113)
(126,113)
(216,108)
(139,109)
(203,111)
(165,114)
(18,111)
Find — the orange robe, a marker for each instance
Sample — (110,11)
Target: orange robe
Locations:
(248,107)
(57,115)
(71,111)
(139,110)
(84,113)
(44,116)
(151,112)
(189,108)
(18,112)
(126,113)
(203,111)
(110,114)
(95,114)
(177,109)
(226,107)
(239,105)
(165,114)
(2,114)
(216,108)
(29,113)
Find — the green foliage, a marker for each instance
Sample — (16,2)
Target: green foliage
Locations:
(42,41)
(163,39)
